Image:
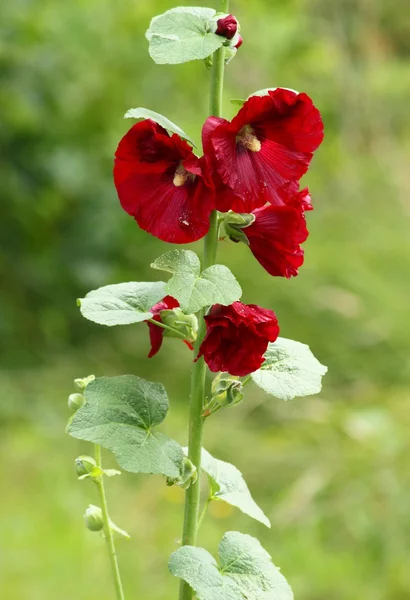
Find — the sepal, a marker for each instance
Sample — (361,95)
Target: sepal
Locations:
(81,383)
(227,390)
(188,475)
(187,325)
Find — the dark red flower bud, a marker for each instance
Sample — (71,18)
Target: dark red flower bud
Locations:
(227,26)
(237,337)
(239,42)
(161,183)
(264,151)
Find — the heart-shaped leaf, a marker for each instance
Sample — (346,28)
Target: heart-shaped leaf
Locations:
(195,290)
(144,113)
(245,571)
(228,484)
(289,370)
(122,303)
(120,414)
(182,34)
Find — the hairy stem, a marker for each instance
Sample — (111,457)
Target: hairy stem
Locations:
(107,530)
(196,420)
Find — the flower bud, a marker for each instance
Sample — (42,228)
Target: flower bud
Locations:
(234,223)
(187,325)
(188,475)
(93,518)
(226,390)
(227,25)
(75,401)
(81,384)
(84,465)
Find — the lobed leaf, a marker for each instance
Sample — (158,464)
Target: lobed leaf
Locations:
(120,414)
(181,34)
(145,113)
(229,485)
(289,370)
(122,303)
(245,571)
(195,290)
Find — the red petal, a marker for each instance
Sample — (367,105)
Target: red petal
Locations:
(146,162)
(288,127)
(166,303)
(156,335)
(275,237)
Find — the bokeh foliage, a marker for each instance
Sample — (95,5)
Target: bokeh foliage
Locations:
(331,472)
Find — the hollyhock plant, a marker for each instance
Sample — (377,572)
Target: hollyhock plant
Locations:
(161,183)
(250,171)
(237,337)
(265,148)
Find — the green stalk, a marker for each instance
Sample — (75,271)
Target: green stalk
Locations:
(109,538)
(196,420)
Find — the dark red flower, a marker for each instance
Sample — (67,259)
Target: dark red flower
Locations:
(160,182)
(237,337)
(265,149)
(227,26)
(275,237)
(156,333)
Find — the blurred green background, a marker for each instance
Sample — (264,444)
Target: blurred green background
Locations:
(332,471)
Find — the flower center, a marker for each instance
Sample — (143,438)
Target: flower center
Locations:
(181,176)
(247,138)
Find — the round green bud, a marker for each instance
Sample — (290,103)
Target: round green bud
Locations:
(75,401)
(93,518)
(84,465)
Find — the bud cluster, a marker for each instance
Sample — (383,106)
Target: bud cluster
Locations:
(228,27)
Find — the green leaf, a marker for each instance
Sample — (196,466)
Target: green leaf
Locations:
(289,370)
(229,485)
(193,289)
(244,572)
(144,113)
(120,414)
(123,303)
(237,101)
(181,34)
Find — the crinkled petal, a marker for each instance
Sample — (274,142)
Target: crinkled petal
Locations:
(237,337)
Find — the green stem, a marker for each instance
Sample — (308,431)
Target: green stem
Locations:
(109,538)
(196,420)
(203,513)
